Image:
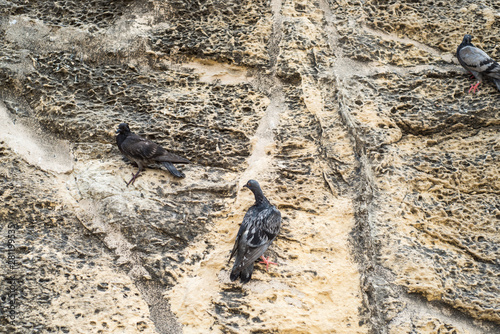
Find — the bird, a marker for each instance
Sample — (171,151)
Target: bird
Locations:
(259,228)
(478,63)
(144,152)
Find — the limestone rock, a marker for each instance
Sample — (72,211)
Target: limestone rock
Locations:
(354,114)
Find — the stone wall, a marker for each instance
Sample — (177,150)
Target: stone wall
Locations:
(353,115)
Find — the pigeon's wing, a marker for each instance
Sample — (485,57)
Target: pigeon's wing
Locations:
(476,60)
(493,71)
(497,83)
(265,227)
(170,157)
(241,265)
(246,220)
(139,147)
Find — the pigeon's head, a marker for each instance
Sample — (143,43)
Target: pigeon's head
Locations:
(467,40)
(123,128)
(252,185)
(255,188)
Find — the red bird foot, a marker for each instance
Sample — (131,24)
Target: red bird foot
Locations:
(474,88)
(266,262)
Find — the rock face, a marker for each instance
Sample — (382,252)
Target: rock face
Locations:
(353,116)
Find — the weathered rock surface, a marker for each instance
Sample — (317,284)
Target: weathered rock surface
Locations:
(353,115)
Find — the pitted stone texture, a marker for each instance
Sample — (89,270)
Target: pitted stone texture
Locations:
(60,273)
(92,15)
(364,42)
(449,204)
(388,104)
(438,24)
(364,46)
(410,133)
(434,153)
(171,107)
(311,248)
(230,31)
(427,325)
(445,162)
(303,46)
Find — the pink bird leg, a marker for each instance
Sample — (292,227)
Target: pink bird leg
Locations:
(266,262)
(475,87)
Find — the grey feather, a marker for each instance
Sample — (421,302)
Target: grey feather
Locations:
(497,83)
(171,168)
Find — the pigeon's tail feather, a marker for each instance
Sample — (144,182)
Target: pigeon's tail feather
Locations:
(497,82)
(234,276)
(245,274)
(235,273)
(171,168)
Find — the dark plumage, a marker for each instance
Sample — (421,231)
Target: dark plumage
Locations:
(478,63)
(259,228)
(144,152)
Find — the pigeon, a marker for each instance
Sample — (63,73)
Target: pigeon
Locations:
(259,228)
(144,152)
(478,63)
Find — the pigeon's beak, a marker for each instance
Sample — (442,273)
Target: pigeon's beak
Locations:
(246,186)
(117,130)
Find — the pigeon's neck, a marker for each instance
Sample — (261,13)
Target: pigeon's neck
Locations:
(259,197)
(121,138)
(464,44)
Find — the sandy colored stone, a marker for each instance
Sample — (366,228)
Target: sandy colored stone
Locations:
(353,115)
